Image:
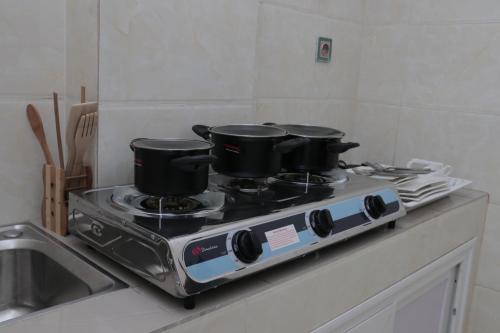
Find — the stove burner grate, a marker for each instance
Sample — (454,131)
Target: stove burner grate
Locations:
(248,185)
(130,200)
(171,204)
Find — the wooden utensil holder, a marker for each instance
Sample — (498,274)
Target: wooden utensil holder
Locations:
(55,196)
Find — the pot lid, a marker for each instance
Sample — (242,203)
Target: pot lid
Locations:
(308,131)
(171,144)
(250,131)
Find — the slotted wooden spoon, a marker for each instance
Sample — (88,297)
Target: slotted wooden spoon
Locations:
(85,133)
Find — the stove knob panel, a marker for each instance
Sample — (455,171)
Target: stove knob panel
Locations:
(375,206)
(321,222)
(246,246)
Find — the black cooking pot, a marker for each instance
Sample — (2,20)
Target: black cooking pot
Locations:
(322,152)
(171,167)
(248,151)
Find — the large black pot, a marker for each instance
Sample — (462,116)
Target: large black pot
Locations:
(321,154)
(171,167)
(248,151)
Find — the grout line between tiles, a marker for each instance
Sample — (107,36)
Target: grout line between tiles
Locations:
(434,23)
(488,288)
(308,11)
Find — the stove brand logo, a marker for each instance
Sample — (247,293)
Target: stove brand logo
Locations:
(197,250)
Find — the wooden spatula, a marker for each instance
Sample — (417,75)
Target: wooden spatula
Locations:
(74,117)
(36,124)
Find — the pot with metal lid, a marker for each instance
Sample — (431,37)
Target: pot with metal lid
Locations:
(248,151)
(171,167)
(321,154)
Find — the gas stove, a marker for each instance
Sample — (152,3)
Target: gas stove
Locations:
(237,227)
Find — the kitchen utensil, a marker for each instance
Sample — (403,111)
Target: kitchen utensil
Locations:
(437,168)
(37,126)
(248,151)
(368,171)
(74,117)
(320,154)
(82,94)
(85,133)
(396,170)
(58,131)
(171,167)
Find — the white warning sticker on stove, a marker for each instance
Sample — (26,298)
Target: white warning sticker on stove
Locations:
(282,237)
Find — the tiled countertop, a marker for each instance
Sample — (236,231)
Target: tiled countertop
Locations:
(250,304)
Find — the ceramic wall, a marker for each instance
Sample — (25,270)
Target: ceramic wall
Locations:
(429,75)
(32,56)
(166,65)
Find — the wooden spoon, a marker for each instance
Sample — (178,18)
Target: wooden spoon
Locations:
(58,130)
(36,124)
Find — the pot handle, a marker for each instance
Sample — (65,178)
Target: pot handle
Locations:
(135,140)
(192,163)
(341,147)
(288,145)
(202,130)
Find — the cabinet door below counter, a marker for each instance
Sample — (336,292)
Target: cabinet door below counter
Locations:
(431,300)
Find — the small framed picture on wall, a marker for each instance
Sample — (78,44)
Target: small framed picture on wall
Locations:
(324,52)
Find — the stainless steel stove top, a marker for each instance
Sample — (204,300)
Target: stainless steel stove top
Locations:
(188,245)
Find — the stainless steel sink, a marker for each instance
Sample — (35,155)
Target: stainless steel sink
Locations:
(37,272)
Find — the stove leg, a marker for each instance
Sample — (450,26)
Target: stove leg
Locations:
(391,225)
(189,303)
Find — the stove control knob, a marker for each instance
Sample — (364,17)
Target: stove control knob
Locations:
(321,222)
(375,206)
(246,246)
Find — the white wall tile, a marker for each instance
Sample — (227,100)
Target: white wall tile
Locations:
(177,50)
(489,264)
(454,65)
(464,141)
(375,127)
(286,56)
(484,312)
(383,67)
(21,166)
(31,47)
(330,113)
(82,48)
(455,10)
(386,11)
(121,123)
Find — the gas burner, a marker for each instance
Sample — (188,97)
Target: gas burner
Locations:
(248,185)
(171,204)
(130,200)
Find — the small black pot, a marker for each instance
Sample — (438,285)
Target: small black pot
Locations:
(171,167)
(248,151)
(321,154)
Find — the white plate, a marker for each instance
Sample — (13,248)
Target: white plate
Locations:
(454,184)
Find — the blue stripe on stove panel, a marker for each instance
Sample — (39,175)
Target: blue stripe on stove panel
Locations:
(355,206)
(211,269)
(214,268)
(217,267)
